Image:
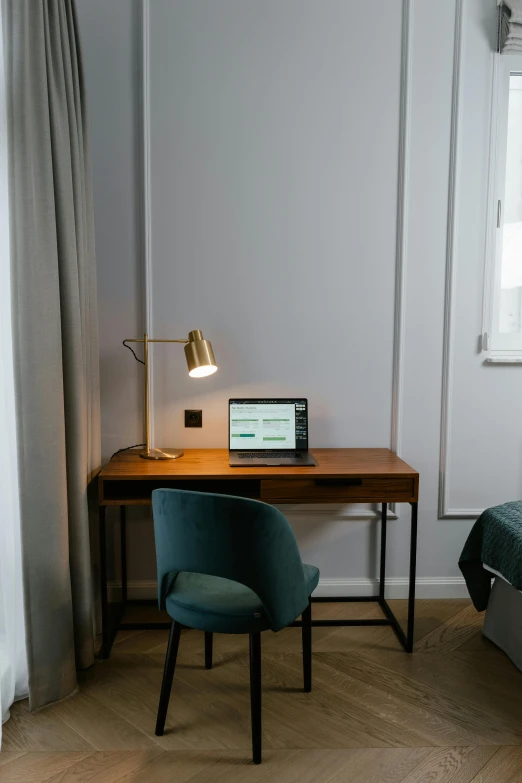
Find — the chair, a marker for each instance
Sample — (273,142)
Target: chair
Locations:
(229,565)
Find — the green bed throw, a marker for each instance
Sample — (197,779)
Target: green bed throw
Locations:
(496,541)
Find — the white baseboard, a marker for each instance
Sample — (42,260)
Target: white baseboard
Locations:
(396,587)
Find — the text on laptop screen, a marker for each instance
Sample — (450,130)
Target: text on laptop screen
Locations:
(264,425)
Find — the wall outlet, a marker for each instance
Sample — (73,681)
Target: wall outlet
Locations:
(193,418)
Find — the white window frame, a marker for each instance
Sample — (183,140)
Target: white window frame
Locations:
(500,348)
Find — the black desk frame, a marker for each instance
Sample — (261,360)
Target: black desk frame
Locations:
(111,624)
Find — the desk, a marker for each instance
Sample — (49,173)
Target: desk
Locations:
(340,476)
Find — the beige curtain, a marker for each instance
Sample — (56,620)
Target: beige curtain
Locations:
(510,27)
(55,337)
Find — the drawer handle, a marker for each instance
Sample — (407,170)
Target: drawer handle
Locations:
(340,482)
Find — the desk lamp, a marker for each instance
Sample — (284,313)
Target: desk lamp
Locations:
(200,361)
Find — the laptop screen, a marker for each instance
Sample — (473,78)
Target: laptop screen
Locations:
(268,424)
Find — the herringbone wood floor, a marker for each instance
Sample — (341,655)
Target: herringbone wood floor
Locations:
(449,713)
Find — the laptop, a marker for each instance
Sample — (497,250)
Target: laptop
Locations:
(268,432)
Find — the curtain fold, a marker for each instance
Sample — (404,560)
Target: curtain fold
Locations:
(13,659)
(55,338)
(510,27)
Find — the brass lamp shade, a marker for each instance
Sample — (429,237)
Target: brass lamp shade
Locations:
(199,355)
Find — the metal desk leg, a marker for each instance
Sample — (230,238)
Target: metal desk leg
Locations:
(105,648)
(413,566)
(406,639)
(382,575)
(123,550)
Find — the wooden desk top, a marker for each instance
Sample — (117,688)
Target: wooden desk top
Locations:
(213,463)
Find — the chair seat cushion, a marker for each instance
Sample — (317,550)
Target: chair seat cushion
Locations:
(211,603)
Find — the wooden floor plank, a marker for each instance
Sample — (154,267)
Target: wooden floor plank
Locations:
(409,719)
(39,731)
(406,684)
(303,766)
(103,728)
(38,767)
(491,666)
(382,766)
(237,767)
(134,695)
(453,633)
(477,642)
(9,755)
(469,679)
(180,766)
(218,701)
(324,719)
(504,767)
(121,636)
(450,765)
(105,767)
(449,713)
(324,712)
(429,615)
(141,643)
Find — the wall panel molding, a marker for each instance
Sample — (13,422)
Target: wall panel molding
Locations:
(402,226)
(148,302)
(401,235)
(462,513)
(402,232)
(451,256)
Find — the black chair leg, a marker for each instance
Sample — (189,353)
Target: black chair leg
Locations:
(208,649)
(168,676)
(307,647)
(255,695)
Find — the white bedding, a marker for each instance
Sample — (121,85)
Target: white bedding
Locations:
(503,620)
(497,573)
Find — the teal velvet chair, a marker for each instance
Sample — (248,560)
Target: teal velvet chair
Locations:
(229,565)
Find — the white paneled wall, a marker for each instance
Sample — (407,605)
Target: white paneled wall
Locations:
(317,207)
(274,223)
(482,464)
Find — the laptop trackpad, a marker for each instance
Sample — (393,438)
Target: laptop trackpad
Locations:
(267,462)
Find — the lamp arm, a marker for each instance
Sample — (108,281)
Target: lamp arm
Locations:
(137,340)
(146,340)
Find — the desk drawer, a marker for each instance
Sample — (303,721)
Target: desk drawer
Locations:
(338,490)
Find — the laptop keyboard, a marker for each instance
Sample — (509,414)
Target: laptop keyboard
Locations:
(271,454)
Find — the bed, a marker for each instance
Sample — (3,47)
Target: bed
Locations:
(491,563)
(503,619)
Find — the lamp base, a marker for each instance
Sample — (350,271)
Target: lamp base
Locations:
(162,454)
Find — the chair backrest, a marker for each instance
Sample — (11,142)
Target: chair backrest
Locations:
(239,539)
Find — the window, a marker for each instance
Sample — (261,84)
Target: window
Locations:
(503,293)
